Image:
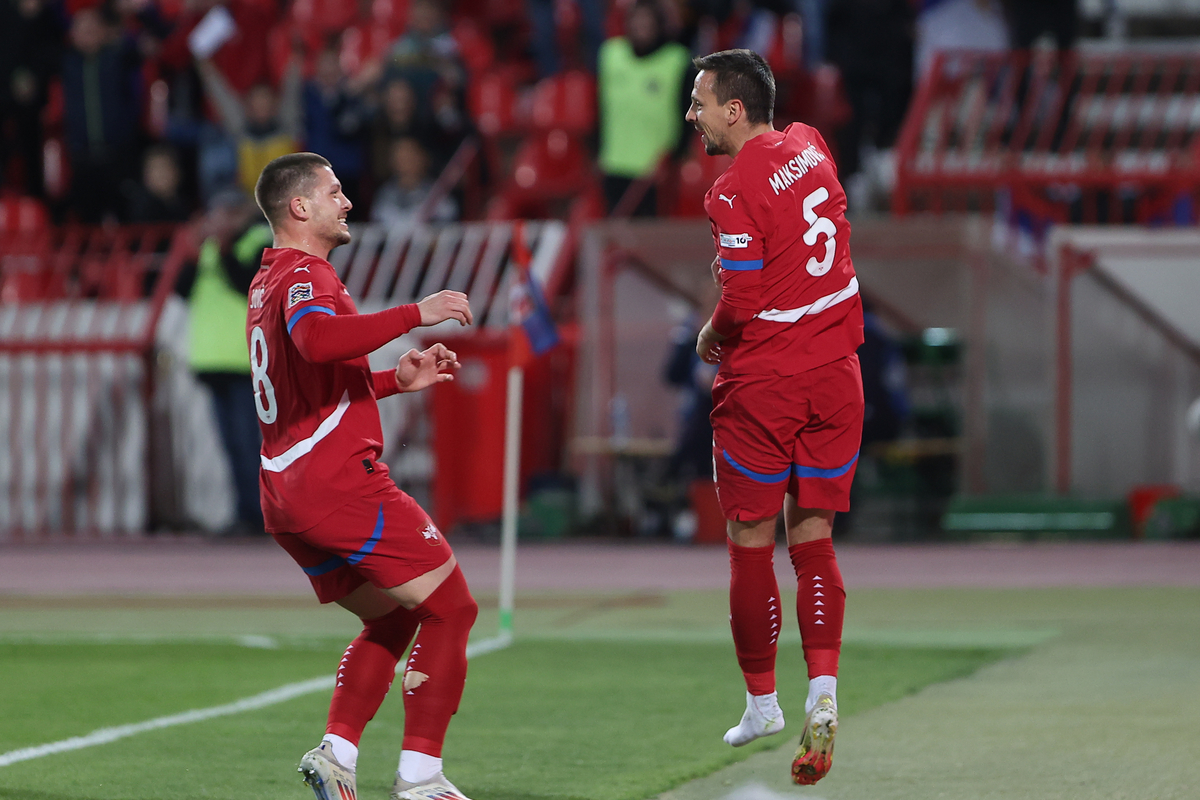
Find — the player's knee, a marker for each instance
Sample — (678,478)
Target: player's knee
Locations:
(451,602)
(393,630)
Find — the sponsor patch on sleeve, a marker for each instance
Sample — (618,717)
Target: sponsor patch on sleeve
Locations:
(735,241)
(299,293)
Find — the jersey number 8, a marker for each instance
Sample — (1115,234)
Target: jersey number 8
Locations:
(818,225)
(264,390)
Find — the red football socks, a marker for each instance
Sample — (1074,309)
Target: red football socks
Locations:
(754,614)
(820,604)
(437,668)
(366,672)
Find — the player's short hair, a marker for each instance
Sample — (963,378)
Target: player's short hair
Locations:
(745,76)
(293,175)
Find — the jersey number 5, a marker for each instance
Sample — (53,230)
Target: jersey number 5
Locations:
(818,225)
(264,390)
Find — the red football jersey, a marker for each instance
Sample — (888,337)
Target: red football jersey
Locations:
(320,425)
(779,222)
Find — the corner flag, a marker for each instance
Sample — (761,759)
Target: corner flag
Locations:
(528,309)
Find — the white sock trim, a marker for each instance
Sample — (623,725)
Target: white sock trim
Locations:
(344,750)
(822,684)
(418,767)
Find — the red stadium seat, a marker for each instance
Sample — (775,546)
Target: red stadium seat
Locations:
(475,47)
(390,15)
(362,44)
(696,177)
(565,102)
(22,215)
(552,165)
(492,99)
(323,16)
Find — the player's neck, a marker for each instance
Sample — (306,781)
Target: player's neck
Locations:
(304,243)
(740,137)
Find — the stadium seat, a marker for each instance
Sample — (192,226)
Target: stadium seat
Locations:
(475,47)
(390,15)
(492,100)
(22,215)
(319,17)
(552,165)
(361,44)
(565,102)
(695,178)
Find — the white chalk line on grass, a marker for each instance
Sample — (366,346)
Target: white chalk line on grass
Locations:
(268,698)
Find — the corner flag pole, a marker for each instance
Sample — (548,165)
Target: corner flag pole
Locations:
(512,477)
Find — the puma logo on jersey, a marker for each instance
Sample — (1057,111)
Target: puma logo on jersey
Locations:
(726,199)
(299,269)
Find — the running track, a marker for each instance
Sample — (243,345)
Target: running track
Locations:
(191,566)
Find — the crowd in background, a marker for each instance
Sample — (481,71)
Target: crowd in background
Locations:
(144,110)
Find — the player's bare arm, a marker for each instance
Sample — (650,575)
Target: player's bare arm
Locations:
(418,370)
(445,305)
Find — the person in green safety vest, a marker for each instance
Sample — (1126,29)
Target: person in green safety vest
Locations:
(234,237)
(643,93)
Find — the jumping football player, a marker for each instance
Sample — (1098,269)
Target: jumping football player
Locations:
(788,398)
(327,498)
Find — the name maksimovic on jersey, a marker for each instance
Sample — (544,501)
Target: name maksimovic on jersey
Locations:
(795,169)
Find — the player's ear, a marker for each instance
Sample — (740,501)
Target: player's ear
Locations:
(298,206)
(734,111)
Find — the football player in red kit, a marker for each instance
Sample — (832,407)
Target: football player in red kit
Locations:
(327,498)
(788,399)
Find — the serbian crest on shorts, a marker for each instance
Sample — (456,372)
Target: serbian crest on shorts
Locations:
(299,293)
(430,533)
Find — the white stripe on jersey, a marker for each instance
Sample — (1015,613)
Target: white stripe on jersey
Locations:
(304,446)
(815,307)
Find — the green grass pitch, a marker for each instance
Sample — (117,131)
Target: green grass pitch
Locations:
(972,694)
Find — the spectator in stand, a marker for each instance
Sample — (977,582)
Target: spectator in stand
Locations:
(399,115)
(398,201)
(958,25)
(263,126)
(31,35)
(426,53)
(871,42)
(545,34)
(644,94)
(335,118)
(235,236)
(157,198)
(241,58)
(396,116)
(101,74)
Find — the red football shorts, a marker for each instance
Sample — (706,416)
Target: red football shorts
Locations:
(384,538)
(798,434)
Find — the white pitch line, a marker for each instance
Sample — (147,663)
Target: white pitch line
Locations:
(269,698)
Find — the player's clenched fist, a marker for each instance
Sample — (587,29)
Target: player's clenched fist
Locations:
(418,369)
(445,305)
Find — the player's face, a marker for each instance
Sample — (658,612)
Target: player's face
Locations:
(329,209)
(707,115)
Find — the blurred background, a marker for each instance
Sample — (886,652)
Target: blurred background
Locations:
(1022,176)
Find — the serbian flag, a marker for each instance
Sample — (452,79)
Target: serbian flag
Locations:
(529,315)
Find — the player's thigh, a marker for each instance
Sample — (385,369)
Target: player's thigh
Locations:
(385,537)
(826,448)
(754,421)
